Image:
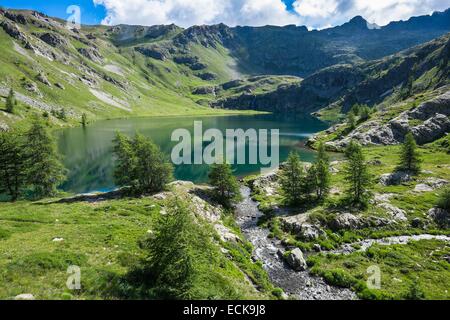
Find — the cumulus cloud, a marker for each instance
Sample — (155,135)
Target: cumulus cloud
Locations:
(334,12)
(196,12)
(312,13)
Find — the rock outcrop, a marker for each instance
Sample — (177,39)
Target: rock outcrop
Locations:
(155,52)
(430,184)
(53,40)
(433,113)
(92,54)
(395,178)
(296,260)
(12,30)
(301,227)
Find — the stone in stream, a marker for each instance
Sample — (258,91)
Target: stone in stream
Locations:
(296,260)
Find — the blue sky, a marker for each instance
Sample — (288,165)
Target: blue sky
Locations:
(312,13)
(57,8)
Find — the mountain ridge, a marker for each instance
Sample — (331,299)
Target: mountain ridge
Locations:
(166,70)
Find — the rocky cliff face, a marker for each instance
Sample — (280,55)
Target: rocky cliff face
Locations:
(436,124)
(368,83)
(123,62)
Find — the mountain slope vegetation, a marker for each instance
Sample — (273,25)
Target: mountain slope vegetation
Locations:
(122,71)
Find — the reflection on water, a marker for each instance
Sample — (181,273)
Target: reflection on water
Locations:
(88,151)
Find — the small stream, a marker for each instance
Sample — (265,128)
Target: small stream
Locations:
(298,285)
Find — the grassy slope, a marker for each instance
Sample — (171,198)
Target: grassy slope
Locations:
(102,238)
(153,87)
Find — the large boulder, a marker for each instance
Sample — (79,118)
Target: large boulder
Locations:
(395,178)
(432,129)
(301,227)
(296,260)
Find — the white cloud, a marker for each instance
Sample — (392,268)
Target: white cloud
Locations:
(312,13)
(319,13)
(189,12)
(316,9)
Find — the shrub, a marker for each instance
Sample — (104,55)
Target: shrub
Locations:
(226,186)
(443,201)
(140,164)
(409,156)
(415,292)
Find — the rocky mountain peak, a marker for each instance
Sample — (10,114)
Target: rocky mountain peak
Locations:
(357,22)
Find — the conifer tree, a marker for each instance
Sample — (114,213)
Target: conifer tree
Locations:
(357,175)
(44,168)
(292,179)
(409,156)
(12,165)
(10,101)
(322,171)
(140,164)
(226,186)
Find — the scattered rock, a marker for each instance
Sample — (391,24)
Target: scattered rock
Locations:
(296,260)
(60,86)
(423,188)
(225,234)
(396,213)
(31,87)
(160,196)
(300,226)
(346,221)
(395,178)
(417,223)
(204,90)
(24,296)
(3,127)
(383,197)
(207,76)
(192,62)
(92,54)
(317,247)
(42,78)
(430,184)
